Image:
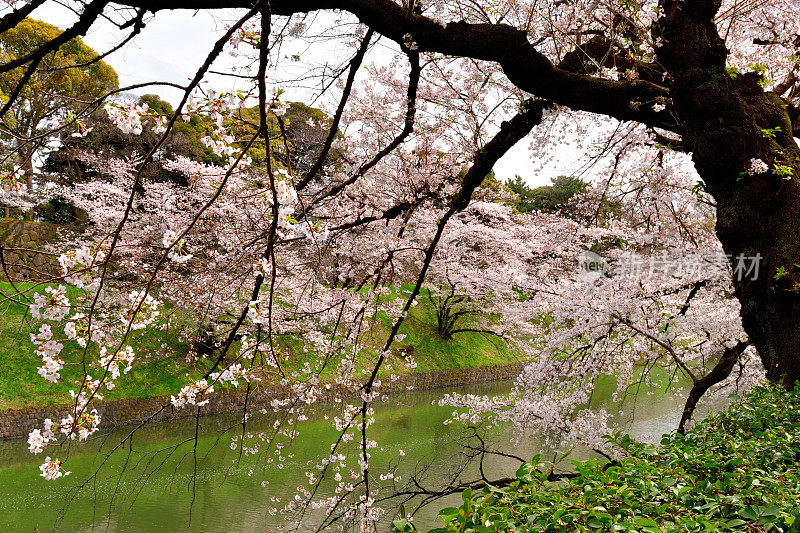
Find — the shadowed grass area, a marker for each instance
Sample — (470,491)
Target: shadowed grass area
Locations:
(464,350)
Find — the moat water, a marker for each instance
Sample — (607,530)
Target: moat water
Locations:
(150,488)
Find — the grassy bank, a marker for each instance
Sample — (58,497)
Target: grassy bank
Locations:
(21,386)
(161,367)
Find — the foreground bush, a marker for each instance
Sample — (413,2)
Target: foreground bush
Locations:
(735,471)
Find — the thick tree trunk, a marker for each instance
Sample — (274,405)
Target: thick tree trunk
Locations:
(758,215)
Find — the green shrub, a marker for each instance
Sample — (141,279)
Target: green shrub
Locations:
(735,471)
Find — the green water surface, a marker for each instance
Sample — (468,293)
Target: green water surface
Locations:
(149,488)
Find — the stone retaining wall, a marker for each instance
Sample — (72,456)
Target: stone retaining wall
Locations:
(16,423)
(23,250)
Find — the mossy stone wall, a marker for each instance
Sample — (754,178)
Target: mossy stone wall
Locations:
(23,252)
(17,423)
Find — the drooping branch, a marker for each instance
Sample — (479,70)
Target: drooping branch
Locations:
(355,64)
(511,132)
(90,13)
(15,17)
(138,25)
(116,235)
(408,128)
(87,18)
(719,373)
(263,131)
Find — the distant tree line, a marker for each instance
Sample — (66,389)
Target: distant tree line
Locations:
(553,198)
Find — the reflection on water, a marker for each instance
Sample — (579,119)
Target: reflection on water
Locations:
(155,493)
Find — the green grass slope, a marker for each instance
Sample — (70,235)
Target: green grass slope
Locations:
(161,367)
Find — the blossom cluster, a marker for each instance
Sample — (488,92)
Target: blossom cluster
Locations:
(131,118)
(190,394)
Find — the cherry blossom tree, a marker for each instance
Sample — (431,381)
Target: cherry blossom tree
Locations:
(257,250)
(656,310)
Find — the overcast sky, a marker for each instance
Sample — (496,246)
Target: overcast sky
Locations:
(175,43)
